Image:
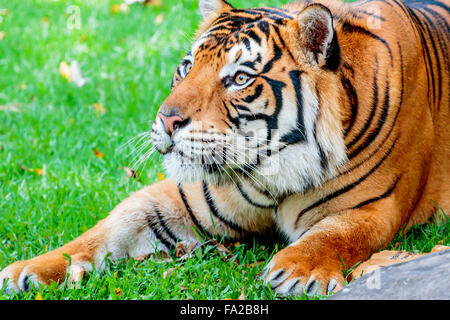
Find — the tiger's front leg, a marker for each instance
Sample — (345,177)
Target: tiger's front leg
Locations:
(155,218)
(323,247)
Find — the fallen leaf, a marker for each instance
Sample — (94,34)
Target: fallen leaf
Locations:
(13,107)
(23,86)
(39,171)
(2,35)
(252,265)
(156,3)
(159,19)
(118,292)
(38,297)
(115,8)
(225,254)
(183,288)
(4,12)
(83,37)
(45,20)
(99,108)
(160,176)
(65,71)
(98,154)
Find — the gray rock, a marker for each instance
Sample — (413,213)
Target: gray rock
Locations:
(424,278)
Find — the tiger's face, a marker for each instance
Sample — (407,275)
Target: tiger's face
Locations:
(245,100)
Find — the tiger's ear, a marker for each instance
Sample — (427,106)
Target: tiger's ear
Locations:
(317,37)
(211,6)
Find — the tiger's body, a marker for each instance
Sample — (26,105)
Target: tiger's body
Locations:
(358,101)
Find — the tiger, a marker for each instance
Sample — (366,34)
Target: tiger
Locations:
(324,120)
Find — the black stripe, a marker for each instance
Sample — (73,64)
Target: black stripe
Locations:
(166,228)
(435,52)
(322,154)
(215,212)
(373,109)
(425,51)
(276,56)
(247,198)
(352,96)
(372,136)
(191,214)
(276,12)
(299,133)
(380,197)
(252,34)
(253,97)
(154,227)
(348,187)
(272,121)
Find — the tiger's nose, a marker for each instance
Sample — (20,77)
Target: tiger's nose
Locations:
(172,122)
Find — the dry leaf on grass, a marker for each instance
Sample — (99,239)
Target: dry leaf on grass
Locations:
(159,19)
(99,108)
(118,291)
(38,171)
(2,35)
(65,71)
(38,297)
(156,3)
(225,254)
(117,8)
(72,73)
(98,154)
(184,247)
(13,107)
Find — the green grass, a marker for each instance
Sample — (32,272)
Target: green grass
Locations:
(129,61)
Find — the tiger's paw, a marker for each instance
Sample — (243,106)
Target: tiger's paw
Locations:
(22,275)
(292,273)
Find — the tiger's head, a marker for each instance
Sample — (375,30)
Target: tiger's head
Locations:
(256,98)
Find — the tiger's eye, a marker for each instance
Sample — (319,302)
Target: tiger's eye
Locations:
(241,78)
